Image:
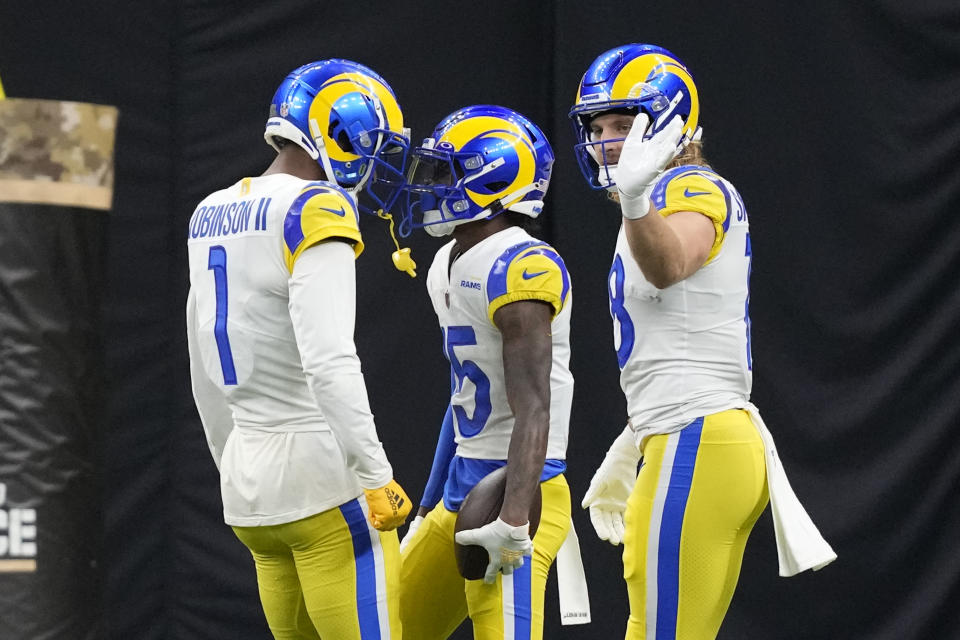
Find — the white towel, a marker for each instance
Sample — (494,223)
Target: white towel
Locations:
(572,582)
(799,543)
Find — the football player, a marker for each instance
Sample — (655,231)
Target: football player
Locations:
(679,298)
(503,301)
(305,482)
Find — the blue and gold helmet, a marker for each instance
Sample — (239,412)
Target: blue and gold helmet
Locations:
(345,116)
(479,161)
(632,78)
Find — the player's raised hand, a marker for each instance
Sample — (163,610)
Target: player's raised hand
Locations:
(505,544)
(641,162)
(389,506)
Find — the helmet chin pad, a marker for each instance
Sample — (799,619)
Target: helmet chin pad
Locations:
(607,177)
(436,225)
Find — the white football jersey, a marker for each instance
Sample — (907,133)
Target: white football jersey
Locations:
(684,351)
(275,373)
(506,267)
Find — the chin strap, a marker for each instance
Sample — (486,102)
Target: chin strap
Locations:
(531,208)
(401,257)
(321,150)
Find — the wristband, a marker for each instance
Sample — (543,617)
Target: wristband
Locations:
(635,207)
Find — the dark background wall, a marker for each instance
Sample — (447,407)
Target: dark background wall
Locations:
(839,124)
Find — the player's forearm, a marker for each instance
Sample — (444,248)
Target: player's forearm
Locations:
(341,395)
(657,250)
(527,361)
(525,459)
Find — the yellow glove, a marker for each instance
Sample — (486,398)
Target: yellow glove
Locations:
(389,506)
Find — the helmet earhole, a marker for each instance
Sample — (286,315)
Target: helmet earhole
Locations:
(340,137)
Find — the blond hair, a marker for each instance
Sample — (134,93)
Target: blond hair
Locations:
(691,154)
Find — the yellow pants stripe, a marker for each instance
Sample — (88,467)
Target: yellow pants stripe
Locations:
(331,575)
(697,497)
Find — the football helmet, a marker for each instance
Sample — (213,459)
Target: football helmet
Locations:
(479,161)
(632,78)
(346,117)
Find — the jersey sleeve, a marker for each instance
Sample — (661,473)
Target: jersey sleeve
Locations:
(695,189)
(321,211)
(439,470)
(323,313)
(529,271)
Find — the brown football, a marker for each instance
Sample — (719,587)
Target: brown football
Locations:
(482,506)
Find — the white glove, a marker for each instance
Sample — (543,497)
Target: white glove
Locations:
(411,529)
(642,161)
(505,544)
(611,486)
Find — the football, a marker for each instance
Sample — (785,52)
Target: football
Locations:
(482,506)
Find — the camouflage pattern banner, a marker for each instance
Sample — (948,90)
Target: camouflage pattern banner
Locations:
(57,152)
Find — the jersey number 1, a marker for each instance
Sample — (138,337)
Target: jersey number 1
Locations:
(218,264)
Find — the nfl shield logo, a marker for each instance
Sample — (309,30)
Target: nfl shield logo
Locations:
(284,110)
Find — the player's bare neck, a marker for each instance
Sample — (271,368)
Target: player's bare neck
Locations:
(469,234)
(294,161)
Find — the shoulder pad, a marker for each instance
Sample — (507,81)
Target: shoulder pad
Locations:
(320,211)
(530,270)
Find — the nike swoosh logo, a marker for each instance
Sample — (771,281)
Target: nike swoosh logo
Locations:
(526,275)
(691,194)
(340,213)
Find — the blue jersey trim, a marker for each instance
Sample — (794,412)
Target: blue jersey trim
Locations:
(465,473)
(659,193)
(497,280)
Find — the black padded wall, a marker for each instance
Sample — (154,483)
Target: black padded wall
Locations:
(837,123)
